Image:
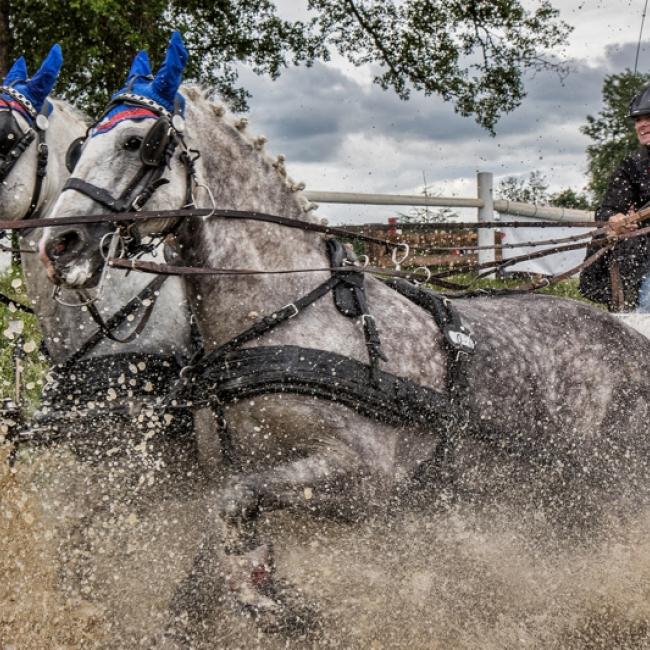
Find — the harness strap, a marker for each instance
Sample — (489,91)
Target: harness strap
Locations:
(17,151)
(42,154)
(350,299)
(265,324)
(124,201)
(98,194)
(305,371)
(105,329)
(5,300)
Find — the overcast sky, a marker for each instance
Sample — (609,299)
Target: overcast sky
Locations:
(340,132)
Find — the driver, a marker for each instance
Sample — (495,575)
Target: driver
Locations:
(621,278)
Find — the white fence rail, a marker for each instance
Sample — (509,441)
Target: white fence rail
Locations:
(484,203)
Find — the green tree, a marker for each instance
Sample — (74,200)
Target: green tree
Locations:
(569,198)
(531,189)
(471,52)
(534,189)
(611,130)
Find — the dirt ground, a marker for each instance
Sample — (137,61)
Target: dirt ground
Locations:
(90,555)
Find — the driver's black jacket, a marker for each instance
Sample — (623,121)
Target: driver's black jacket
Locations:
(629,187)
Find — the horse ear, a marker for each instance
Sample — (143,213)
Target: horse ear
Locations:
(140,66)
(17,72)
(41,84)
(169,76)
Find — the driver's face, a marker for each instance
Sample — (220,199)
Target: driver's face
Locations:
(642,128)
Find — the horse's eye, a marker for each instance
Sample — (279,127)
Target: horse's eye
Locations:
(133,143)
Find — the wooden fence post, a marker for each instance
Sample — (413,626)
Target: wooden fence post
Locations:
(485,182)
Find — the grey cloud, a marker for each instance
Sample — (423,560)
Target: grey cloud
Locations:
(311,111)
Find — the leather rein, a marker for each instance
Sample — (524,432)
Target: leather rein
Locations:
(127,219)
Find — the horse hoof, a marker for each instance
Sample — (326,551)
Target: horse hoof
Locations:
(287,614)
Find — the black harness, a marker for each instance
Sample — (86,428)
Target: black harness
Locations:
(95,397)
(14,142)
(63,400)
(156,152)
(231,373)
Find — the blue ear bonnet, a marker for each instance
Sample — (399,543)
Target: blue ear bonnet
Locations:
(37,88)
(163,87)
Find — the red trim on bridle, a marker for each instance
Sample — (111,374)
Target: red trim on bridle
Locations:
(13,105)
(127,114)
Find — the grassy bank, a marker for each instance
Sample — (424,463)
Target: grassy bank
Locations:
(20,341)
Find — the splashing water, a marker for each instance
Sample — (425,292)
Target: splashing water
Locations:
(90,555)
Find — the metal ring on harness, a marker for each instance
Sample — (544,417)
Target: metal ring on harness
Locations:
(416,282)
(209,191)
(56,296)
(366,260)
(355,263)
(112,247)
(396,262)
(185,372)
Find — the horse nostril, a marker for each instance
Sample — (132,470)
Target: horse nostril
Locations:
(62,244)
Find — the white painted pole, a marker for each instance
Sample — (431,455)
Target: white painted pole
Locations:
(356,198)
(485,182)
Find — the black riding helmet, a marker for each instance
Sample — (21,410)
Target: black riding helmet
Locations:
(640,105)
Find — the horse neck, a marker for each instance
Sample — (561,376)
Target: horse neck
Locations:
(243,177)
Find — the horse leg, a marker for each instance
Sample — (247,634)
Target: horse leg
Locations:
(234,560)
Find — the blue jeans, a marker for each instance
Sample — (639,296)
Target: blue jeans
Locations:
(644,296)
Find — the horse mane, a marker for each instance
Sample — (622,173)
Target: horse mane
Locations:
(66,107)
(239,128)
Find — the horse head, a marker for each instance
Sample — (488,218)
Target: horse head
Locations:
(150,149)
(134,156)
(34,135)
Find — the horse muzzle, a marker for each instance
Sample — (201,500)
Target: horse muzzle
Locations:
(69,258)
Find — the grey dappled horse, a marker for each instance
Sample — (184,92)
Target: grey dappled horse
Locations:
(164,343)
(555,386)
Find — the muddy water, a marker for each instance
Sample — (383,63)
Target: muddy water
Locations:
(90,556)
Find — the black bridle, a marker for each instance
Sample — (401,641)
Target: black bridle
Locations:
(156,153)
(14,142)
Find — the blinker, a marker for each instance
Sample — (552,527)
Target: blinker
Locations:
(10,132)
(73,153)
(153,147)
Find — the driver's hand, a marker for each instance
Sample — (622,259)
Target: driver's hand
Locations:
(621,223)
